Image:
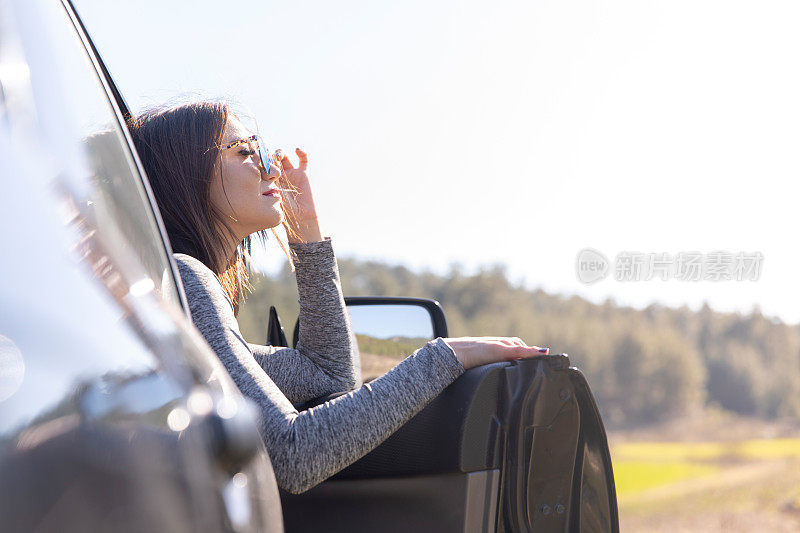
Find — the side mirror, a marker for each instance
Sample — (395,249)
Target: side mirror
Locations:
(388,329)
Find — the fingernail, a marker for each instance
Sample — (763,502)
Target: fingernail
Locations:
(543,350)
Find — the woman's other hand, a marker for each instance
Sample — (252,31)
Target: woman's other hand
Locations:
(300,207)
(477,351)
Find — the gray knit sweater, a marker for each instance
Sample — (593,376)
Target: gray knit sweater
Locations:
(306,447)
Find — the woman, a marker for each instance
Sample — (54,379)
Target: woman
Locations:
(211,182)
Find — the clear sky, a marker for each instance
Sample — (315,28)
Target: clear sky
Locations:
(511,132)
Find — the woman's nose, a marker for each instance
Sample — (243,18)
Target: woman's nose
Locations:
(273,172)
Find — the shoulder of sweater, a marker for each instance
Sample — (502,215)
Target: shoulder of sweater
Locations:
(194,272)
(209,304)
(190,262)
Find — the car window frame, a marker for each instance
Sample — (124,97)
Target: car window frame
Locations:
(121,113)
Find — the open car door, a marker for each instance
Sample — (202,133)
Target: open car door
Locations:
(516,446)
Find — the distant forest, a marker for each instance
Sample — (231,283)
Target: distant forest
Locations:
(644,366)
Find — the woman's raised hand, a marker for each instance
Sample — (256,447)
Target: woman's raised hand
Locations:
(300,207)
(477,351)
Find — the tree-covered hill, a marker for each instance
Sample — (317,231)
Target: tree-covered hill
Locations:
(643,365)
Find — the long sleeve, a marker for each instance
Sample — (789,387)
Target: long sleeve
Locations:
(326,357)
(306,447)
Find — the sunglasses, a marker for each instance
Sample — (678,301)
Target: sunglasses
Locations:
(266,157)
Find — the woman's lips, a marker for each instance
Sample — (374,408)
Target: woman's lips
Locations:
(273,193)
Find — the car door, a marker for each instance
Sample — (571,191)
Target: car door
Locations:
(512,446)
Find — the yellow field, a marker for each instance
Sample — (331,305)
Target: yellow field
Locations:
(706,451)
(632,477)
(750,485)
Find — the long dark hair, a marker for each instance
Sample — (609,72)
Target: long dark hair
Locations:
(179,149)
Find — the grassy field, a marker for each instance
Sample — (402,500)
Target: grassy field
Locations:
(730,484)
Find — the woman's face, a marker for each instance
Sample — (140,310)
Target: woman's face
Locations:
(239,192)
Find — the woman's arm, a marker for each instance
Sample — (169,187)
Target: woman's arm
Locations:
(325,359)
(326,356)
(309,446)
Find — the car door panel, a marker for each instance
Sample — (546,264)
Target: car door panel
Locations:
(506,447)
